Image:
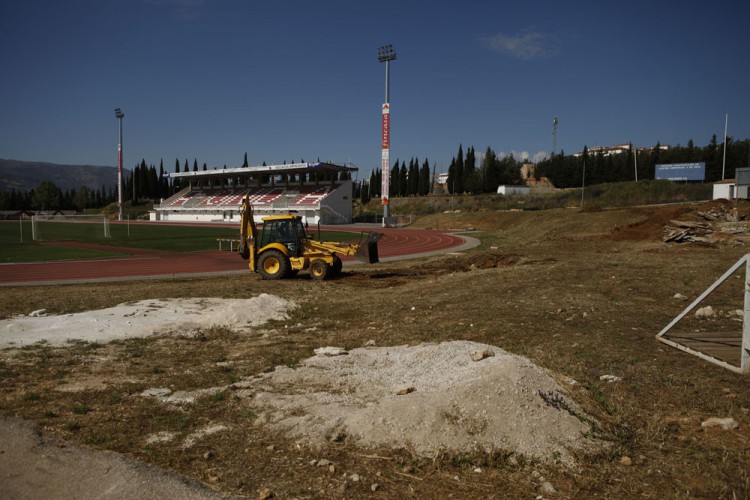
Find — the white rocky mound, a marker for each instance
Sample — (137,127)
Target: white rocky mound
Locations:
(450,397)
(143,318)
(433,398)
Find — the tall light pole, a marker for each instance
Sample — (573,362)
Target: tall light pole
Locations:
(119,115)
(554,136)
(386,54)
(583,181)
(724,161)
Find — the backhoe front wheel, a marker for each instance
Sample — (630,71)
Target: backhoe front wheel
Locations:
(319,269)
(273,265)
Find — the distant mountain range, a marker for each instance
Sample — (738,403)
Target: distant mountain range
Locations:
(26,175)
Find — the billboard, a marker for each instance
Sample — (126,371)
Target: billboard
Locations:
(681,171)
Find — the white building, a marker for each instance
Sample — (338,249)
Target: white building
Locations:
(513,190)
(728,190)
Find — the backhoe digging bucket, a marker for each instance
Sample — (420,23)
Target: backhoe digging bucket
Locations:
(368,248)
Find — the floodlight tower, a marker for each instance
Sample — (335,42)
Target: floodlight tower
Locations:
(119,115)
(386,54)
(554,136)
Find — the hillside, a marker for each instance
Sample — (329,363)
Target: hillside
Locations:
(26,175)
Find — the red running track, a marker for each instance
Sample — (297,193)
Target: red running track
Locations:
(138,263)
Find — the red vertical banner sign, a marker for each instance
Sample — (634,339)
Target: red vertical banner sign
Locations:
(385,160)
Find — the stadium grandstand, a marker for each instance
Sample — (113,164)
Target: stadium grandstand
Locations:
(318,192)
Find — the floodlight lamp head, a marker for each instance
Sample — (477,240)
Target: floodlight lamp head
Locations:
(386,53)
(119,113)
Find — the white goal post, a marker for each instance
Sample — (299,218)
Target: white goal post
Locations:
(742,341)
(57,227)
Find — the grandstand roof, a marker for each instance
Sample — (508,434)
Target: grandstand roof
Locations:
(289,168)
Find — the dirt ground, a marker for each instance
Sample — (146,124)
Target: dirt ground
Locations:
(578,294)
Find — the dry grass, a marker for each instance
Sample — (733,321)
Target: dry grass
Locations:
(580,293)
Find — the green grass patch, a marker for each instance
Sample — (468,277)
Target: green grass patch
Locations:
(16,244)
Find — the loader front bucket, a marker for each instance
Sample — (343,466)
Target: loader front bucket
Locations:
(368,248)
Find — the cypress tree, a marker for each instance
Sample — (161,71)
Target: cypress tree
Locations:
(393,189)
(451,176)
(424,179)
(458,185)
(469,179)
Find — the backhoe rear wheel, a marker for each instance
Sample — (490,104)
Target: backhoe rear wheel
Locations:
(273,265)
(319,269)
(336,266)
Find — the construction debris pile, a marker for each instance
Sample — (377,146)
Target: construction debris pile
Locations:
(716,226)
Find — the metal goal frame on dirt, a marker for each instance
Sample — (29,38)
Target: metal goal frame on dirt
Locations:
(744,367)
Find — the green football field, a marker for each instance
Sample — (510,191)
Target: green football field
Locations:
(16,244)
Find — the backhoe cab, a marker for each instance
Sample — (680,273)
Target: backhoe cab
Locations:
(282,247)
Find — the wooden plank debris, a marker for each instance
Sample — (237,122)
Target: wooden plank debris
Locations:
(715,228)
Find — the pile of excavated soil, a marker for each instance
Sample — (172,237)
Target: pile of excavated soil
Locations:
(430,399)
(142,319)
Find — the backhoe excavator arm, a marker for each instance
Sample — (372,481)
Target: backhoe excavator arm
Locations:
(365,250)
(248,233)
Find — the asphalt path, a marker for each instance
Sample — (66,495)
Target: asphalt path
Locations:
(397,243)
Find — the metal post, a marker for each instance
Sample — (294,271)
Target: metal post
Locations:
(745,350)
(386,54)
(119,114)
(583,181)
(724,162)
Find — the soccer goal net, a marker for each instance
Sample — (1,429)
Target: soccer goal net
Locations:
(70,227)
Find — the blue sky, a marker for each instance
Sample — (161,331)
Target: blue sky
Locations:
(291,80)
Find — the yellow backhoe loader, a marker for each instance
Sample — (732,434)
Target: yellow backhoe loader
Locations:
(282,247)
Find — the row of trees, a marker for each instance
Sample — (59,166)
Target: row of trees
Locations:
(569,171)
(144,182)
(465,176)
(291,178)
(411,180)
(47,196)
